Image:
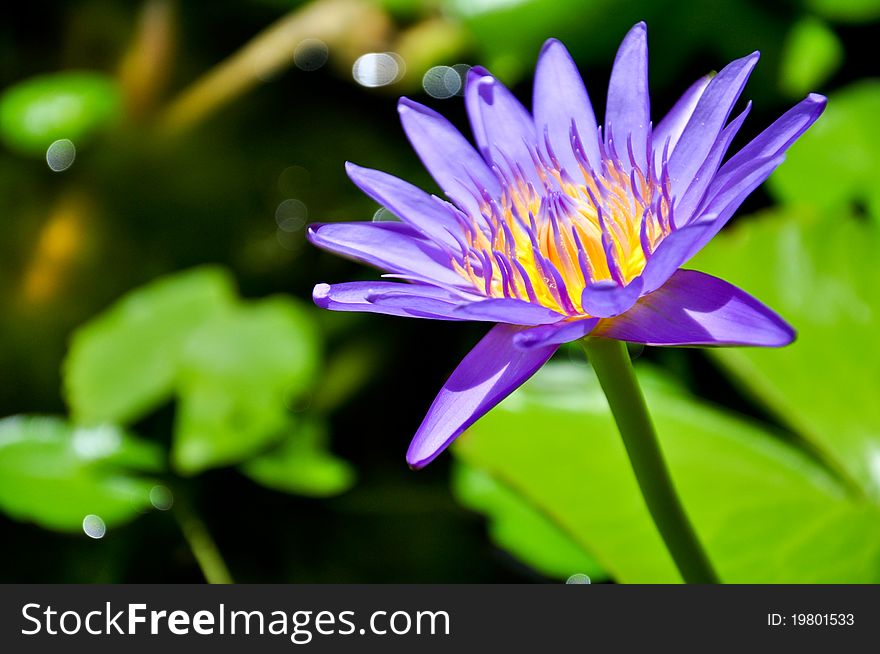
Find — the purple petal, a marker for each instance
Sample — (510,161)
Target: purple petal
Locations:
(628,112)
(683,243)
(393,247)
(509,128)
(707,121)
(428,214)
(673,124)
(475,114)
(560,98)
(367,297)
(556,334)
(774,140)
(488,374)
(502,310)
(685,207)
(512,311)
(693,308)
(606,298)
(447,155)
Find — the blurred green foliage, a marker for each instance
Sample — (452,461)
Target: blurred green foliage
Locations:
(55,474)
(812,53)
(856,11)
(71,105)
(235,369)
(836,163)
(238,406)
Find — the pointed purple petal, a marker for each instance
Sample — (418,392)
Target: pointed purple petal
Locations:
(673,124)
(392,247)
(686,206)
(606,298)
(422,301)
(447,155)
(693,308)
(774,140)
(560,98)
(512,311)
(677,248)
(488,374)
(428,214)
(628,112)
(509,128)
(556,334)
(472,104)
(707,121)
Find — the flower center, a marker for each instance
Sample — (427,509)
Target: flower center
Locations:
(553,232)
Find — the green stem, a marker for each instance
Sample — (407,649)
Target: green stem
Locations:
(203,547)
(613,367)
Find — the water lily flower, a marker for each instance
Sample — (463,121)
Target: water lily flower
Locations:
(556,228)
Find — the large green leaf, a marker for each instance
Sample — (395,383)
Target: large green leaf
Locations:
(125,362)
(765,511)
(239,371)
(838,160)
(302,464)
(69,105)
(521,529)
(817,268)
(56,475)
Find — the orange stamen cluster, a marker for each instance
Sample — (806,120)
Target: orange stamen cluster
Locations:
(553,233)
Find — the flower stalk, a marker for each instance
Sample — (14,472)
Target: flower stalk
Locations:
(614,369)
(203,547)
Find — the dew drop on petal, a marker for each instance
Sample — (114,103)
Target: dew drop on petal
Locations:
(94,526)
(61,155)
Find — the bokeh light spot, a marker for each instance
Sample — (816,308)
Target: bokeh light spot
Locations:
(578,578)
(61,155)
(377,69)
(310,54)
(94,526)
(291,215)
(161,497)
(442,82)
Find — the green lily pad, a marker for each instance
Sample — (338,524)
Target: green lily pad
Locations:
(765,511)
(56,475)
(816,268)
(234,367)
(302,464)
(70,105)
(239,371)
(125,362)
(521,529)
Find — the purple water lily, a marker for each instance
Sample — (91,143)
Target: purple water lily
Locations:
(557,228)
